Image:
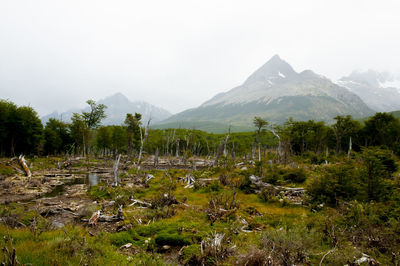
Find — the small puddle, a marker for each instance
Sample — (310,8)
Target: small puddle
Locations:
(91,179)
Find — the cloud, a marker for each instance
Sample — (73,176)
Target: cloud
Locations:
(177,54)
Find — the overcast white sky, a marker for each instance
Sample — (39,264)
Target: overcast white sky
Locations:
(56,54)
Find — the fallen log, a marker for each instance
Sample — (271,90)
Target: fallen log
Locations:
(18,170)
(286,191)
(136,201)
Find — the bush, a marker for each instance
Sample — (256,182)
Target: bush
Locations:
(245,185)
(121,238)
(296,175)
(269,194)
(276,175)
(6,170)
(273,177)
(100,192)
(337,183)
(173,239)
(190,255)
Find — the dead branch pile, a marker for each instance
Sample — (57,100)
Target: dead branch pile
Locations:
(220,207)
(294,194)
(216,246)
(162,200)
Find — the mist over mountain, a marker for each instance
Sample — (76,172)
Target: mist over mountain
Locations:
(118,105)
(276,92)
(379,90)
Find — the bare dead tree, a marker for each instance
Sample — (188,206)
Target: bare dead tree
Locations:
(279,144)
(116,175)
(222,146)
(350,147)
(143,140)
(171,141)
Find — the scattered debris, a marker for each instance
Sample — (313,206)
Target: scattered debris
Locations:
(189,180)
(143,203)
(293,194)
(366,258)
(98,217)
(148,178)
(126,246)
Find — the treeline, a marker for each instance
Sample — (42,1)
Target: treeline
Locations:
(21,131)
(382,129)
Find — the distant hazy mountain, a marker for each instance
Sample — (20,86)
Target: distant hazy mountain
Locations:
(379,90)
(276,92)
(117,108)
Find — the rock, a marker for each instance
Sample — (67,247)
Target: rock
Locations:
(127,245)
(57,224)
(165,247)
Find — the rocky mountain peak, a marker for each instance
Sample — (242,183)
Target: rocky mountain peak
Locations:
(274,70)
(116,99)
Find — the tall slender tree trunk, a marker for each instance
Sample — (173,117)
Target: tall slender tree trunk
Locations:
(350,147)
(143,140)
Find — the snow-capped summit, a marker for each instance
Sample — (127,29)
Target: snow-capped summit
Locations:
(379,90)
(276,92)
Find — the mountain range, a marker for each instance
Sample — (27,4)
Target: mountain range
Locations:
(118,105)
(377,89)
(276,92)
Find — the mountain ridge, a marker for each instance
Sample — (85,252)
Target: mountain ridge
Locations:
(118,105)
(275,91)
(379,90)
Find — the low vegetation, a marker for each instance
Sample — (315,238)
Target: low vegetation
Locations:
(298,194)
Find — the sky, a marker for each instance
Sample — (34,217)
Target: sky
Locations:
(55,55)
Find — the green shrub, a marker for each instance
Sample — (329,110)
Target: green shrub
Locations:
(6,170)
(173,239)
(100,192)
(121,238)
(339,182)
(269,194)
(296,175)
(246,185)
(190,255)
